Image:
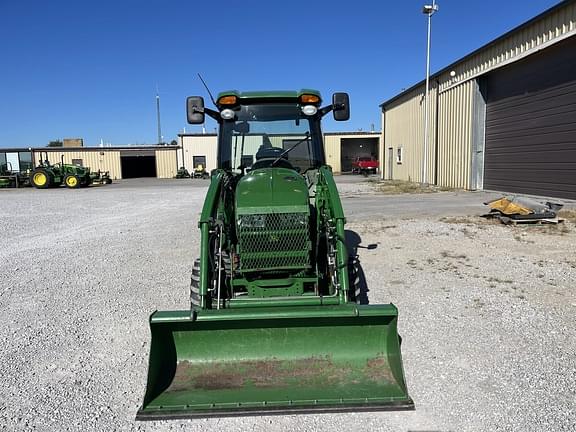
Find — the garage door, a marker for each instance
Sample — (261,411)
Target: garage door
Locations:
(531,125)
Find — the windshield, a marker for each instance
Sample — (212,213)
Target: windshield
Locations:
(270,135)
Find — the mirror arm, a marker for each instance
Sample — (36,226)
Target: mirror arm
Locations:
(214,114)
(325,110)
(328,108)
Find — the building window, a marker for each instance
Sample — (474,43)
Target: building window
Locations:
(77,162)
(399,155)
(199,160)
(26,161)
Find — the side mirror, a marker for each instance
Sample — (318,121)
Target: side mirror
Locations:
(340,106)
(195,109)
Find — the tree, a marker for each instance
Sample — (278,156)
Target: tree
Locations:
(173,142)
(56,143)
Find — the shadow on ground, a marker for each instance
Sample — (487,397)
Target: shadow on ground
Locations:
(358,286)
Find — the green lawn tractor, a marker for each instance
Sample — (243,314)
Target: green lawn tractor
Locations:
(200,172)
(46,175)
(100,177)
(182,173)
(275,323)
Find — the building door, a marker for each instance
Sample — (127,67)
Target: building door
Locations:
(13,161)
(138,163)
(390,163)
(353,148)
(531,124)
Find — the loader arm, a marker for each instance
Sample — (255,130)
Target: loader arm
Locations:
(206,224)
(332,215)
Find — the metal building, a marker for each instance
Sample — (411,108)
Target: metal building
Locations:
(341,149)
(121,162)
(502,118)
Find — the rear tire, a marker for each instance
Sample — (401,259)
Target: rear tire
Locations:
(41,179)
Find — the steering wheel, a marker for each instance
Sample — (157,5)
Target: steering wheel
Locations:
(267,162)
(269,152)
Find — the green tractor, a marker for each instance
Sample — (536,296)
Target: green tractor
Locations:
(46,175)
(100,177)
(275,323)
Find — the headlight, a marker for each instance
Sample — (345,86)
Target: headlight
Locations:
(227,114)
(309,110)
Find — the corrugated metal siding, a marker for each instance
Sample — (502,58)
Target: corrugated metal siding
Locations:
(332,148)
(166,163)
(404,128)
(199,145)
(95,159)
(455,136)
(551,29)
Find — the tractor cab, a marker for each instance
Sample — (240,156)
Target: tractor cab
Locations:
(269,129)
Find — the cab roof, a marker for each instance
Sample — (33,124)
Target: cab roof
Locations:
(269,94)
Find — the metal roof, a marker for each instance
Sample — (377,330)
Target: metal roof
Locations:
(482,48)
(84,148)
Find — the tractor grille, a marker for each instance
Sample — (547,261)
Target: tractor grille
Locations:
(274,241)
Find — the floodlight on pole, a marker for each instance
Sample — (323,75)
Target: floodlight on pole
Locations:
(428,10)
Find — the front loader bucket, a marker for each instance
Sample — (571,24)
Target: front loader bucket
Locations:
(274,360)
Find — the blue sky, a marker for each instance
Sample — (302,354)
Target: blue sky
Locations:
(90,69)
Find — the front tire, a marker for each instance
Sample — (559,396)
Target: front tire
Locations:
(72,181)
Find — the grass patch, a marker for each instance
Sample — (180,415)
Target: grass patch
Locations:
(569,215)
(396,187)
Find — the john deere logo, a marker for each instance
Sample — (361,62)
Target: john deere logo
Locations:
(273,238)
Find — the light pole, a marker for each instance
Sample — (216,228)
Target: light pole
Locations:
(158,116)
(427,10)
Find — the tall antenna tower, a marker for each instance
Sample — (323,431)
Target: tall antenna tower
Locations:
(158,115)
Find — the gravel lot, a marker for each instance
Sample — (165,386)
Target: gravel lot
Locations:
(486,310)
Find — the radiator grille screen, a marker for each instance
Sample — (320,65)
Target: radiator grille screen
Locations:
(274,241)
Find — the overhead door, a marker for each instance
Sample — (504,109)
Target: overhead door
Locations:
(353,148)
(138,163)
(531,124)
